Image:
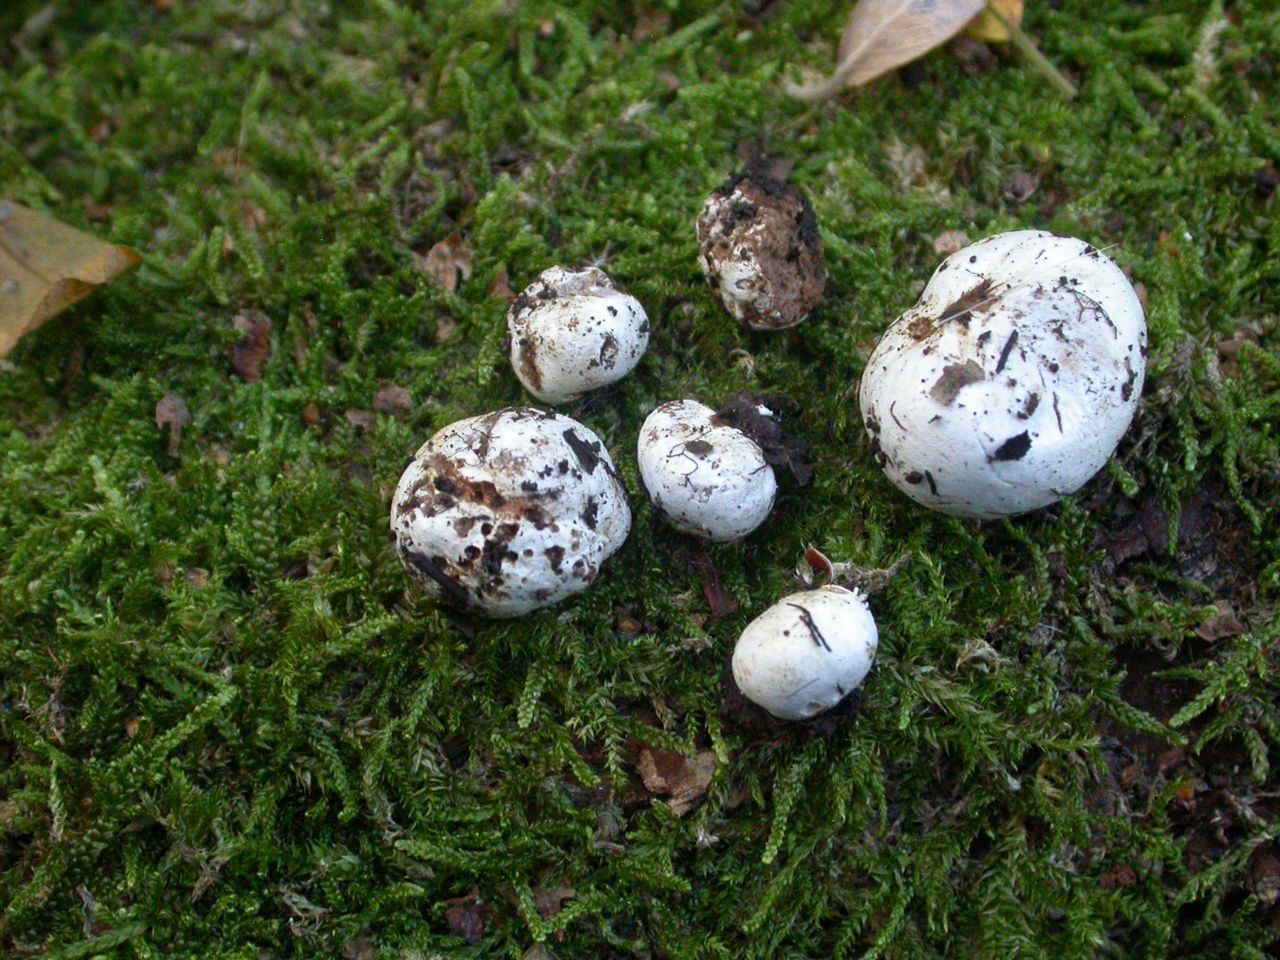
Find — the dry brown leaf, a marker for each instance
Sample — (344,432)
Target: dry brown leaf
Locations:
(467,916)
(394,401)
(447,259)
(548,902)
(718,598)
(987,26)
(251,352)
(46,266)
(683,779)
(500,286)
(446,327)
(882,35)
(171,412)
(949,242)
(1223,622)
(364,420)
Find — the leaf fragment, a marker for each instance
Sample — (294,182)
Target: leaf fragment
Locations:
(249,354)
(993,27)
(684,779)
(467,916)
(882,35)
(172,412)
(447,260)
(393,400)
(46,266)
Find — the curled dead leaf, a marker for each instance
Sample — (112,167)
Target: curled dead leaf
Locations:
(467,916)
(393,401)
(172,412)
(548,902)
(1222,622)
(819,563)
(500,286)
(46,266)
(684,779)
(249,354)
(447,260)
(718,598)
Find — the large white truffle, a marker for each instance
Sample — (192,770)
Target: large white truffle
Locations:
(807,652)
(704,476)
(508,512)
(572,331)
(1010,382)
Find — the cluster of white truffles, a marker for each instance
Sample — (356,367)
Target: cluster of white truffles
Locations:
(1005,388)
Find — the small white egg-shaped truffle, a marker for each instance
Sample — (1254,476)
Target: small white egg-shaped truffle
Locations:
(807,652)
(1011,381)
(705,476)
(511,511)
(572,331)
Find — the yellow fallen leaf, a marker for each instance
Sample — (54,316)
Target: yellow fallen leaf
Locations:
(46,266)
(987,26)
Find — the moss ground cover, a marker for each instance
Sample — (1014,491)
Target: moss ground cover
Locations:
(228,728)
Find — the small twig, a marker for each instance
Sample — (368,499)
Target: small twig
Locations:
(1024,45)
(807,619)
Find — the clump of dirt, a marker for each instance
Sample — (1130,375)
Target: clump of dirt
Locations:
(759,245)
(761,418)
(1214,545)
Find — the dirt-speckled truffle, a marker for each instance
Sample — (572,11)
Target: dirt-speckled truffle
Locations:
(1010,382)
(702,474)
(511,511)
(759,246)
(572,331)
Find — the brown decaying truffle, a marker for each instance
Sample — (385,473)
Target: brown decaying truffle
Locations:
(759,245)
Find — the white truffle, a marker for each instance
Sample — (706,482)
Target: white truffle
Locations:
(572,331)
(704,476)
(807,652)
(1010,382)
(508,512)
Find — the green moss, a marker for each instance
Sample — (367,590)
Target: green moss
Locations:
(226,716)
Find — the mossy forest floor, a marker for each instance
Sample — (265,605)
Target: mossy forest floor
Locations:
(230,728)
